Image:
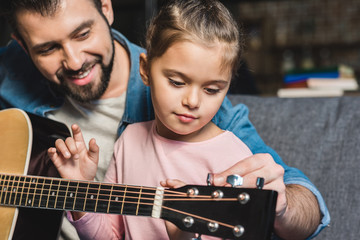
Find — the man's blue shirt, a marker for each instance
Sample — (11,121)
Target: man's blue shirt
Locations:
(22,86)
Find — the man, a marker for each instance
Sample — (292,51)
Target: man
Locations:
(76,69)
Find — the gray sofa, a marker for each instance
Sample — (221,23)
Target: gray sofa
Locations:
(321,137)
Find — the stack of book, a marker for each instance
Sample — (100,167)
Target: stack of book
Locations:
(324,82)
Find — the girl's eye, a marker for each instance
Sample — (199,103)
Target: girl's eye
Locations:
(212,91)
(176,83)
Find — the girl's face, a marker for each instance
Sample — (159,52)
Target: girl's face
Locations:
(188,85)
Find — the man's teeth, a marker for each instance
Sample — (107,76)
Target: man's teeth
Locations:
(83,75)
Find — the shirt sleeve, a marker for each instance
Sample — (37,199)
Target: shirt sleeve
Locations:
(100,226)
(235,119)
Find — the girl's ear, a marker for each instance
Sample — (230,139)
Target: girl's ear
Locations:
(144,71)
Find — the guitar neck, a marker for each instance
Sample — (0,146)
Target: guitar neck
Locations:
(84,196)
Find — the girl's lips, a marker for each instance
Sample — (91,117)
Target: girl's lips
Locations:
(186,118)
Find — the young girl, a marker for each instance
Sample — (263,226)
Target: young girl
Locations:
(193,48)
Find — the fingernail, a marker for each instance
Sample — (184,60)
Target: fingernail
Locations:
(76,156)
(67,154)
(219,180)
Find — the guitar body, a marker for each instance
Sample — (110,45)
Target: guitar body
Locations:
(24,140)
(33,197)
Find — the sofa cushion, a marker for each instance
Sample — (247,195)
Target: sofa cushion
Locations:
(321,137)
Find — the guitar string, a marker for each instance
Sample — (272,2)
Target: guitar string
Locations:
(199,217)
(173,193)
(167,192)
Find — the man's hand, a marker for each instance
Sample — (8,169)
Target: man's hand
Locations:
(258,165)
(72,158)
(297,209)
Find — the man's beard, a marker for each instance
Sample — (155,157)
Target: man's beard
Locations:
(92,90)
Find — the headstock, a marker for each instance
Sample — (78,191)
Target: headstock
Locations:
(232,213)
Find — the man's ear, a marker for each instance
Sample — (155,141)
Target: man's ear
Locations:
(20,41)
(144,70)
(106,8)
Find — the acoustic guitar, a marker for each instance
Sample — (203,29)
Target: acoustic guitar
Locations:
(231,213)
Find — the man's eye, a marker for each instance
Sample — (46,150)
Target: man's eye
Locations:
(47,51)
(212,90)
(176,83)
(83,35)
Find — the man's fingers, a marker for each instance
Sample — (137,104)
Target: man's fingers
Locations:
(258,165)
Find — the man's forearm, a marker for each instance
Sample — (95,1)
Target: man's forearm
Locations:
(302,215)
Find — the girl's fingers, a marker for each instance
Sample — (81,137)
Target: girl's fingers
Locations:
(77,134)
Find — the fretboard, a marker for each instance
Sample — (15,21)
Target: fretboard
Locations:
(62,194)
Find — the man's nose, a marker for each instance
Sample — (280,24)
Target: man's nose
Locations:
(72,58)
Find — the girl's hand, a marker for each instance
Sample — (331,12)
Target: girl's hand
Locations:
(72,158)
(174,232)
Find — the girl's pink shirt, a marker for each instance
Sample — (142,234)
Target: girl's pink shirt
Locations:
(143,158)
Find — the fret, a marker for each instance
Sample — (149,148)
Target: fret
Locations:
(30,195)
(71,195)
(42,185)
(86,196)
(111,191)
(2,188)
(104,198)
(10,189)
(54,189)
(15,190)
(146,202)
(38,191)
(91,196)
(76,193)
(60,198)
(116,199)
(66,193)
(97,197)
(27,190)
(45,192)
(134,204)
(138,203)
(49,193)
(123,201)
(80,196)
(20,191)
(6,189)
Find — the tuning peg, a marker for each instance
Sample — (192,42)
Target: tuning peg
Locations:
(235,180)
(260,182)
(210,179)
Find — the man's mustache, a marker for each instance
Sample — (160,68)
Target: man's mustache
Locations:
(62,73)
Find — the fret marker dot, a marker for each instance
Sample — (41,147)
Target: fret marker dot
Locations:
(53,194)
(117,199)
(33,181)
(71,194)
(14,190)
(4,188)
(29,201)
(92,196)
